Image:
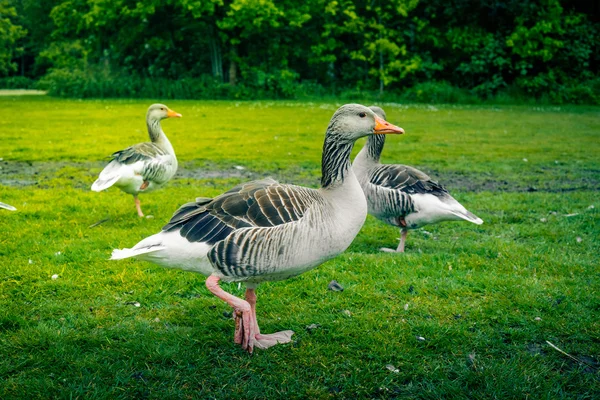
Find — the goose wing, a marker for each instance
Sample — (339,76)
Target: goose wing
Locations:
(148,159)
(138,152)
(406,179)
(262,203)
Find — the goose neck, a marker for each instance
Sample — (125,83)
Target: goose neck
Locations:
(157,136)
(335,163)
(374,147)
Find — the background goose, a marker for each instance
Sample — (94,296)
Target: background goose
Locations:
(7,206)
(401,195)
(267,231)
(143,167)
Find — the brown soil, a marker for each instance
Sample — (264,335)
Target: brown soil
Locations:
(21,174)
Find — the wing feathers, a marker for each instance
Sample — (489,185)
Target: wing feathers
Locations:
(263,203)
(407,179)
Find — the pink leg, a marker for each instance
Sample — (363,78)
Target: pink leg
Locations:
(239,307)
(247,332)
(251,299)
(400,248)
(138,206)
(238,336)
(265,341)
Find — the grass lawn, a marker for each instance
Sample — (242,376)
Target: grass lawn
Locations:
(465,313)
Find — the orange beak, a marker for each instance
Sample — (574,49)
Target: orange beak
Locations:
(383,127)
(173,114)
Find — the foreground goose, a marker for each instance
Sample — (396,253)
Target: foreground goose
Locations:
(7,206)
(143,167)
(267,231)
(401,195)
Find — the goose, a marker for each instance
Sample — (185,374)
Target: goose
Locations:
(401,195)
(267,231)
(143,167)
(7,206)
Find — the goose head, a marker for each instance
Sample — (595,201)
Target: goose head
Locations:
(157,112)
(379,111)
(353,121)
(375,143)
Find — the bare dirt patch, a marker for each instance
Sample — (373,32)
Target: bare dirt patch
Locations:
(22,174)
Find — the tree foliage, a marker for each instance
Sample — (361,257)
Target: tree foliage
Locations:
(10,33)
(542,48)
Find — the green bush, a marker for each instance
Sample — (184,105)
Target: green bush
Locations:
(579,93)
(17,82)
(96,83)
(438,92)
(256,84)
(79,84)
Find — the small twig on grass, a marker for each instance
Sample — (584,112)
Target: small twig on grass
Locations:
(570,356)
(99,222)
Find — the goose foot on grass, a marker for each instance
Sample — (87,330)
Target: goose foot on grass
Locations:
(400,248)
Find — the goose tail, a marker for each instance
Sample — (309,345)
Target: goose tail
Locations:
(108,177)
(104,183)
(468,216)
(119,254)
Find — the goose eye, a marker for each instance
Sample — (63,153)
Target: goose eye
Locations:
(362,114)
(162,109)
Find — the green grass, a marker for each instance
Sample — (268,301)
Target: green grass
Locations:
(473,292)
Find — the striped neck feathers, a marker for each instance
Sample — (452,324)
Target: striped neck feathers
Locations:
(374,146)
(335,162)
(154,130)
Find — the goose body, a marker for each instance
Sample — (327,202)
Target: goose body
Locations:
(401,195)
(143,167)
(259,242)
(7,206)
(266,231)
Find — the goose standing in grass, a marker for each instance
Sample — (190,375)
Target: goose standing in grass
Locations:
(143,167)
(7,206)
(267,231)
(403,196)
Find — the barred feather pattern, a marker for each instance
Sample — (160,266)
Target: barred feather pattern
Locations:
(255,229)
(407,179)
(389,205)
(375,145)
(401,195)
(138,152)
(335,161)
(281,252)
(262,203)
(388,187)
(159,166)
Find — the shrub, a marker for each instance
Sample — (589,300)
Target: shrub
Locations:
(97,83)
(438,92)
(256,84)
(17,82)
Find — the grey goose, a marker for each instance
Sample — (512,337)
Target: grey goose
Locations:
(143,167)
(267,231)
(401,195)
